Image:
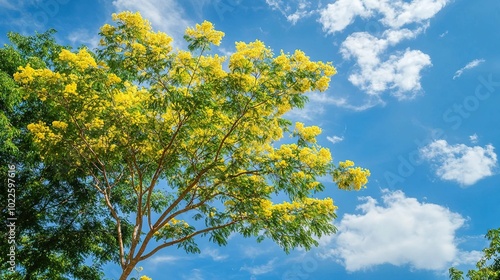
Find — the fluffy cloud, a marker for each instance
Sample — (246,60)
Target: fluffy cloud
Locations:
(165,15)
(337,16)
(401,231)
(461,163)
(469,65)
(400,73)
(378,71)
(394,13)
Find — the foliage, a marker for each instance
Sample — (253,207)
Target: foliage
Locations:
(59,223)
(187,143)
(488,267)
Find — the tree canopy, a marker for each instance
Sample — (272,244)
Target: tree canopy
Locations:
(60,224)
(185,143)
(488,267)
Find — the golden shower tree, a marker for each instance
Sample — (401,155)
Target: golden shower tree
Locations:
(185,143)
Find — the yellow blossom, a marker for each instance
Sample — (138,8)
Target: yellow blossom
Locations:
(60,125)
(307,133)
(70,88)
(205,30)
(24,74)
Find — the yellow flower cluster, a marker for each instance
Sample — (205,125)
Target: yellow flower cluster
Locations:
(214,63)
(247,52)
(131,20)
(184,57)
(350,176)
(314,158)
(159,43)
(285,151)
(82,60)
(360,177)
(323,83)
(60,125)
(307,133)
(345,164)
(144,277)
(70,89)
(266,206)
(253,50)
(107,30)
(283,61)
(113,79)
(205,30)
(42,132)
(25,75)
(287,211)
(138,49)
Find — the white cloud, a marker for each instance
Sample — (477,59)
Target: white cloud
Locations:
(394,13)
(165,15)
(467,258)
(443,34)
(253,252)
(401,231)
(163,259)
(400,73)
(461,163)
(379,71)
(335,139)
(83,36)
(214,254)
(319,100)
(469,65)
(337,16)
(195,274)
(260,269)
(473,138)
(292,10)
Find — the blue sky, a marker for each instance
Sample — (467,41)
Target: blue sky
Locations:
(415,100)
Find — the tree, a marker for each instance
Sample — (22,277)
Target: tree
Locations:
(59,222)
(488,267)
(181,144)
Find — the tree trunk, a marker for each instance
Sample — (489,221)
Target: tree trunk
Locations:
(128,269)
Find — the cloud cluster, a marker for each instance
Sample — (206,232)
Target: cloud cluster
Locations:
(461,163)
(399,73)
(401,231)
(378,69)
(394,13)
